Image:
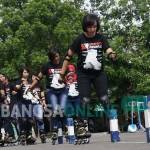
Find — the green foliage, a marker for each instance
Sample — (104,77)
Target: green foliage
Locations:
(30,27)
(126,24)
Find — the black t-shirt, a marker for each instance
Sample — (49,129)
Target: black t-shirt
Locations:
(1,88)
(7,88)
(72,85)
(90,51)
(0,85)
(22,90)
(52,71)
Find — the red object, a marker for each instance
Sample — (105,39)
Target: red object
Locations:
(71,68)
(71,75)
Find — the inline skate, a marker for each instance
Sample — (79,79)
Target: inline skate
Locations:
(42,136)
(54,137)
(82,134)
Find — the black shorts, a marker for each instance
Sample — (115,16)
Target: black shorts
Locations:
(97,79)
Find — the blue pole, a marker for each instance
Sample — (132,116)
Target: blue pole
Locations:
(60,133)
(147,116)
(71,135)
(114,131)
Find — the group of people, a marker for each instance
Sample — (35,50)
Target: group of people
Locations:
(25,107)
(65,82)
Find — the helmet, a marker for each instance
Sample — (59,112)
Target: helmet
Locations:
(71,68)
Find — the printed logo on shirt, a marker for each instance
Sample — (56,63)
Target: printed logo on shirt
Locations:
(53,71)
(87,46)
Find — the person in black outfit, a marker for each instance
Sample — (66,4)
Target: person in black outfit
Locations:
(57,93)
(8,122)
(90,47)
(24,103)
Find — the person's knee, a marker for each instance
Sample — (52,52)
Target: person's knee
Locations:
(104,100)
(85,100)
(105,103)
(55,113)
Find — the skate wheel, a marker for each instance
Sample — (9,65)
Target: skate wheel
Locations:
(53,142)
(87,141)
(80,142)
(43,141)
(84,141)
(2,144)
(75,142)
(22,143)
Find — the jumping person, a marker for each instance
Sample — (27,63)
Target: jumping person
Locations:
(90,47)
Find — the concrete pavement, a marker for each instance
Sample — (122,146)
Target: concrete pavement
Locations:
(99,141)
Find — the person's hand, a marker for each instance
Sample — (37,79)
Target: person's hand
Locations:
(28,90)
(61,78)
(112,56)
(14,92)
(18,87)
(44,106)
(7,101)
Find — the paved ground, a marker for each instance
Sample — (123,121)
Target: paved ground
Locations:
(99,141)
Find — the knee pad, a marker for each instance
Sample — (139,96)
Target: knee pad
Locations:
(61,113)
(85,100)
(106,105)
(104,100)
(55,113)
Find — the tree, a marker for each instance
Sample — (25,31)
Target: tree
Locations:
(30,28)
(126,24)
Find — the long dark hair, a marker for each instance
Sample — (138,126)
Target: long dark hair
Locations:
(22,69)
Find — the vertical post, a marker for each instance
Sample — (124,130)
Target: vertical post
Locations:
(71,135)
(147,117)
(114,130)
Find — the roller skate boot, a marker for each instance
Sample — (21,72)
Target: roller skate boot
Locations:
(22,138)
(81,132)
(54,137)
(30,140)
(2,142)
(42,136)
